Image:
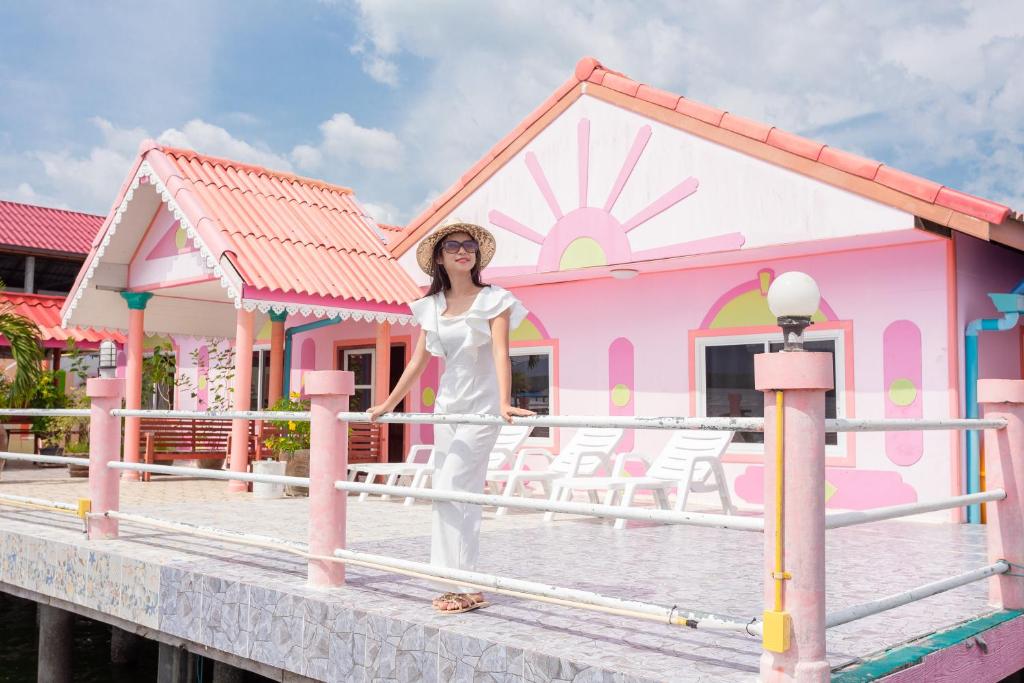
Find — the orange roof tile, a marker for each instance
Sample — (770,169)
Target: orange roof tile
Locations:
(44,311)
(287,233)
(43,228)
(590,70)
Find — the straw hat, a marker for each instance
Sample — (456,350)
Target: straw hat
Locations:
(483,236)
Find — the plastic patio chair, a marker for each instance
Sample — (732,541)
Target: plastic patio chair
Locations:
(589,451)
(689,462)
(419,464)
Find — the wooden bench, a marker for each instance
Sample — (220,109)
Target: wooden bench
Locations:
(363,441)
(182,439)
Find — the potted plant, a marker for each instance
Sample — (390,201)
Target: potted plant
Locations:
(288,440)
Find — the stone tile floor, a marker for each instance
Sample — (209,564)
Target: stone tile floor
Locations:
(707,569)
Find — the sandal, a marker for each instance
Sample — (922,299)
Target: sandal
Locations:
(463,602)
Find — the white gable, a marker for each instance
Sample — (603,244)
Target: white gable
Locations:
(601,182)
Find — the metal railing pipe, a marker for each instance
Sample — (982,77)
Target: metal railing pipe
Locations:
(838,520)
(866,609)
(50,459)
(906,425)
(588,509)
(223,475)
(45,412)
(38,502)
(291,416)
(728,424)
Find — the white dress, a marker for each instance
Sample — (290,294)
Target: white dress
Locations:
(469,384)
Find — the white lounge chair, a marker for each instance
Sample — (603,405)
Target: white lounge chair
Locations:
(589,451)
(690,461)
(419,464)
(510,439)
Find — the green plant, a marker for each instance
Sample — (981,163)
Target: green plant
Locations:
(290,435)
(69,432)
(217,368)
(23,337)
(158,374)
(48,393)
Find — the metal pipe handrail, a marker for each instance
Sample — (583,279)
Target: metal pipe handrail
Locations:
(51,459)
(588,509)
(838,520)
(671,615)
(866,609)
(38,502)
(289,415)
(733,424)
(45,412)
(904,425)
(197,473)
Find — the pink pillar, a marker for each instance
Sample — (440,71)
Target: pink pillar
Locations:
(804,377)
(328,391)
(243,385)
(104,447)
(133,378)
(1004,469)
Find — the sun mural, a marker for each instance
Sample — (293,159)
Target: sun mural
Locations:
(590,235)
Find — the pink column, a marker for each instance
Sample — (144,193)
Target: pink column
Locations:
(804,377)
(328,391)
(1004,469)
(104,447)
(243,385)
(133,374)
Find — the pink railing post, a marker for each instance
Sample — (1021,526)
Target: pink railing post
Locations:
(794,644)
(1004,469)
(329,391)
(104,447)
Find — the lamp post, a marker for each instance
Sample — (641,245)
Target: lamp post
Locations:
(793,298)
(108,359)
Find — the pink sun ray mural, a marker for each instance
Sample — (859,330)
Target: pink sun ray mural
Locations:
(590,234)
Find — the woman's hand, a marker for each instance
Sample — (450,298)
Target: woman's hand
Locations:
(508,412)
(377,411)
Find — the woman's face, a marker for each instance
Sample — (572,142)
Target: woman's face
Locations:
(462,259)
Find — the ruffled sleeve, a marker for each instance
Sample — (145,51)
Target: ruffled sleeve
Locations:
(425,313)
(492,302)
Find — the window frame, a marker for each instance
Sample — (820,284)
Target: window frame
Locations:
(549,348)
(358,351)
(842,454)
(262,352)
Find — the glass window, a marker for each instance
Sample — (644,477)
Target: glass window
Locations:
(259,386)
(727,375)
(531,384)
(55,276)
(12,271)
(360,362)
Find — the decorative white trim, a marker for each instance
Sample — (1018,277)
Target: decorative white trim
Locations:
(146,171)
(326,312)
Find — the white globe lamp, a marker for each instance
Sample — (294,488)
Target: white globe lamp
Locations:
(793,298)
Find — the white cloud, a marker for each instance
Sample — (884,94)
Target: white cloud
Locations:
(216,141)
(345,145)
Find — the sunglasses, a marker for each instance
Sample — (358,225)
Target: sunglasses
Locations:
(453,246)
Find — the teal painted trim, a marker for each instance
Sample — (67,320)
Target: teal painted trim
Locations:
(286,389)
(907,656)
(136,300)
(278,317)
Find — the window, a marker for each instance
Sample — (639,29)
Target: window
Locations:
(259,386)
(725,378)
(55,276)
(531,384)
(360,362)
(12,271)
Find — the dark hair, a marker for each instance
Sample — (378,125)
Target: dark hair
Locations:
(439,276)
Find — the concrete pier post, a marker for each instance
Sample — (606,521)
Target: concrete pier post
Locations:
(124,646)
(56,633)
(225,673)
(172,665)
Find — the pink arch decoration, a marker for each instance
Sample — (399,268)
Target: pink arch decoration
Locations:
(750,286)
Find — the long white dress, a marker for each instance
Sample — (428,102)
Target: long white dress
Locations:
(469,384)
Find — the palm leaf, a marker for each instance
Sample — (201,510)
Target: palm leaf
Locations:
(23,337)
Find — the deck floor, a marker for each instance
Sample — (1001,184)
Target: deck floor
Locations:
(706,569)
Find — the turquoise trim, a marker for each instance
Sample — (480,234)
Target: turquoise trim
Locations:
(1005,304)
(288,334)
(278,317)
(136,300)
(906,656)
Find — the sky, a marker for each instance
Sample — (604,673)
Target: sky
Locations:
(398,98)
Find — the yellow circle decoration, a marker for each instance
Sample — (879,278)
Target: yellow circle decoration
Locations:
(902,392)
(180,238)
(621,395)
(582,252)
(428,397)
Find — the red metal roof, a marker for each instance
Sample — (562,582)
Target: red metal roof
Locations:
(590,70)
(286,233)
(44,311)
(40,227)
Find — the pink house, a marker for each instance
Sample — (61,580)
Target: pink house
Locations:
(642,230)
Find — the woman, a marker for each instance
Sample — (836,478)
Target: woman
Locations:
(467,323)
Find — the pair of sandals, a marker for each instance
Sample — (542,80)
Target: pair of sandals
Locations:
(456,603)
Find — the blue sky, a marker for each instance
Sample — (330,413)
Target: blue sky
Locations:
(397,98)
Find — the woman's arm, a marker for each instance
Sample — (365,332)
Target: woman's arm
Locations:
(503,366)
(412,372)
